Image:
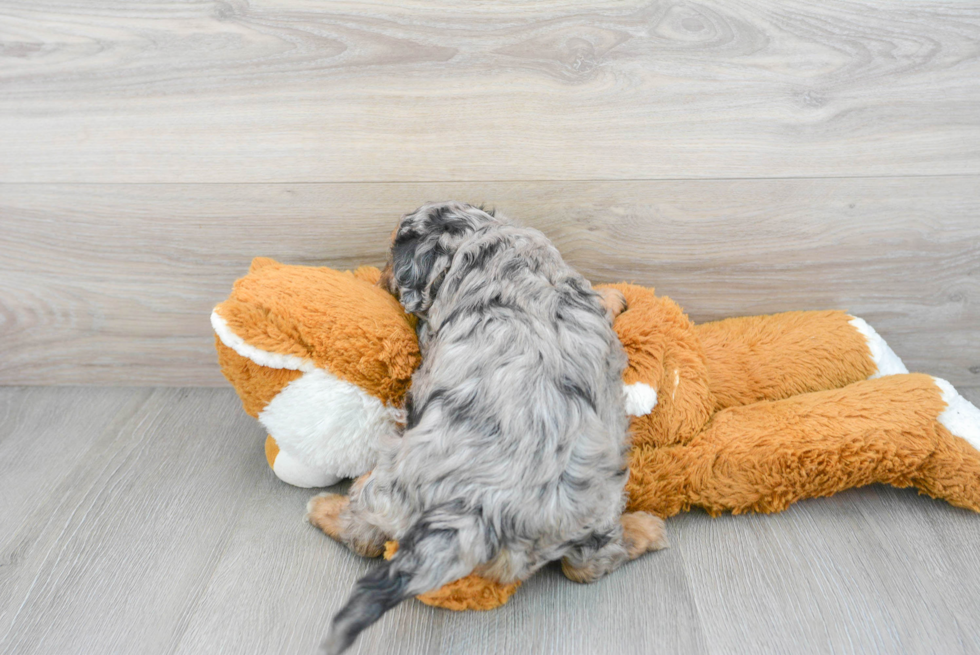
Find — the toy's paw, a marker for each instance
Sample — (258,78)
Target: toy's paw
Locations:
(613,301)
(884,358)
(640,398)
(960,417)
(295,472)
(643,532)
(324,511)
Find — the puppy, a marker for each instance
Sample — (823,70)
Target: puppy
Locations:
(514,451)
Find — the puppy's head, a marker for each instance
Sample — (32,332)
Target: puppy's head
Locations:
(422,250)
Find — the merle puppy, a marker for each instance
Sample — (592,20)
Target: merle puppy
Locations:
(514,451)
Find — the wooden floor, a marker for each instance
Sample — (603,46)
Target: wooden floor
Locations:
(144,520)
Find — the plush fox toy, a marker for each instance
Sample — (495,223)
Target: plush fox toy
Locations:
(322,359)
(744,414)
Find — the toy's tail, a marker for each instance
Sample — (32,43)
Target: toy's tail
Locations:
(428,557)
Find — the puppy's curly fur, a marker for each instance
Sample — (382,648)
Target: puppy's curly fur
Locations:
(514,451)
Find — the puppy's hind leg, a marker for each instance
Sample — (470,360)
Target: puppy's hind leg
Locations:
(637,533)
(333,514)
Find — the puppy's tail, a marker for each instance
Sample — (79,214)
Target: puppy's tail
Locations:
(429,556)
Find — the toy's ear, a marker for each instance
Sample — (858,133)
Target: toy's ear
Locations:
(418,265)
(262,262)
(369,274)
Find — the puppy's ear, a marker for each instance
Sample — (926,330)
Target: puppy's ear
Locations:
(418,268)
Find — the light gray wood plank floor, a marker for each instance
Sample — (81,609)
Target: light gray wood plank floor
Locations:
(139,520)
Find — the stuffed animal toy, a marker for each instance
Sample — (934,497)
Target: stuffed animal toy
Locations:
(744,414)
(322,359)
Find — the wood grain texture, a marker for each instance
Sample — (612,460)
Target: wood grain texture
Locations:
(167,533)
(861,572)
(113,284)
(113,560)
(299,579)
(44,434)
(276,91)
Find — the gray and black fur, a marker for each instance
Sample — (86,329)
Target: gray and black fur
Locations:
(514,452)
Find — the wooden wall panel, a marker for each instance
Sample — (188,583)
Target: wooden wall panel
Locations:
(277,91)
(113,284)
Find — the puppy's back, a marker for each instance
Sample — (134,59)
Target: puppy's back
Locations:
(519,407)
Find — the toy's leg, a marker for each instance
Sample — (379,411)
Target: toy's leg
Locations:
(339,518)
(902,430)
(292,470)
(774,357)
(951,472)
(638,533)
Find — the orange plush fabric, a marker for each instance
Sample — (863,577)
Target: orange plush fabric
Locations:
(798,416)
(256,384)
(469,593)
(664,352)
(764,456)
(338,321)
(757,358)
(322,359)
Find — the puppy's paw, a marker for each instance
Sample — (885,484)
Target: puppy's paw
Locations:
(613,301)
(582,574)
(643,532)
(324,511)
